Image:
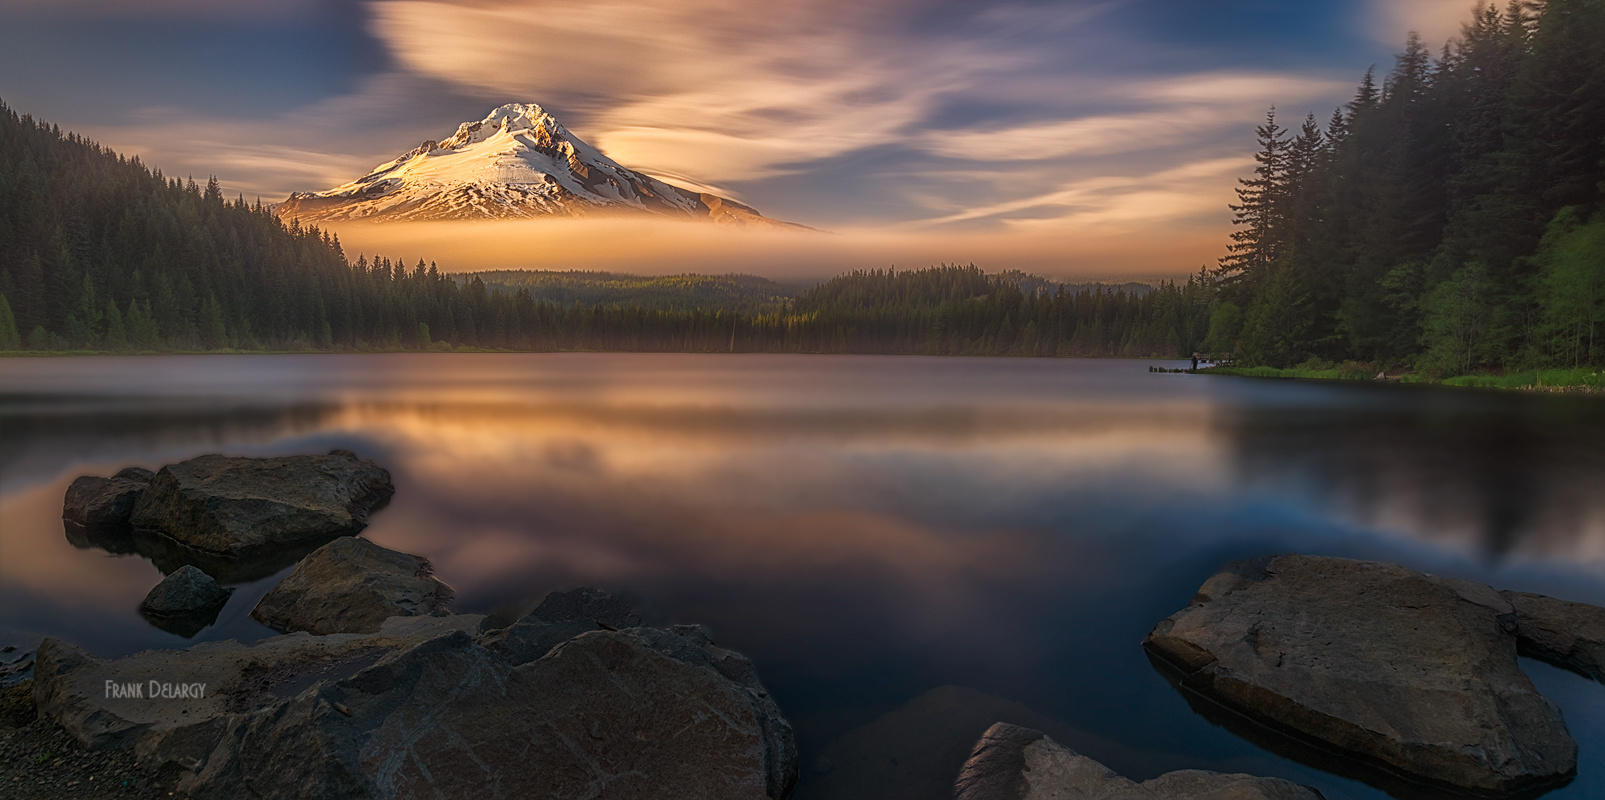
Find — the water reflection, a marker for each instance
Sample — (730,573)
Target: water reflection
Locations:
(1494,475)
(868,529)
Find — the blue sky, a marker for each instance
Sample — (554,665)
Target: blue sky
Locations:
(1083,137)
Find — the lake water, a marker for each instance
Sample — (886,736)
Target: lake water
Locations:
(908,548)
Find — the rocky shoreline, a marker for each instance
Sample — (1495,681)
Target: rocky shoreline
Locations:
(377,689)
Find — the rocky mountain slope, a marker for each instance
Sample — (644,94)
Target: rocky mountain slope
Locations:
(517,162)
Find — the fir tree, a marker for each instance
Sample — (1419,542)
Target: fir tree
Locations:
(1256,243)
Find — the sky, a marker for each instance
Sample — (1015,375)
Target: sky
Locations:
(1088,139)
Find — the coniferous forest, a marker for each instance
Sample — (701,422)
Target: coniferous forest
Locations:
(98,252)
(1447,219)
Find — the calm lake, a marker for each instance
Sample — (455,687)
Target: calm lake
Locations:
(908,548)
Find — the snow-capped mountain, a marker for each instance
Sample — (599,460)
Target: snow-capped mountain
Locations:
(517,162)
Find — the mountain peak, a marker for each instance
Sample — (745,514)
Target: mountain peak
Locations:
(519,162)
(514,118)
(523,112)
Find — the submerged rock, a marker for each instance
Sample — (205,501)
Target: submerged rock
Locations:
(16,666)
(185,601)
(1414,674)
(913,751)
(422,708)
(1568,635)
(97,503)
(249,507)
(352,585)
(186,591)
(1015,763)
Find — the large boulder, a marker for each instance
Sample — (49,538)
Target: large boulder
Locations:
(185,601)
(352,585)
(423,709)
(1016,763)
(247,507)
(1566,634)
(1410,673)
(97,503)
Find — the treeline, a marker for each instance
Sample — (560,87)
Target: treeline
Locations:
(1448,219)
(684,292)
(952,310)
(98,252)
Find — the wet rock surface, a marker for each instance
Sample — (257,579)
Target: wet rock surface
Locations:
(352,585)
(100,503)
(1011,762)
(1414,675)
(16,666)
(245,507)
(185,601)
(1568,635)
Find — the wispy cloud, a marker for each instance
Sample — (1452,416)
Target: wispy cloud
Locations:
(711,90)
(1437,21)
(1170,194)
(1174,111)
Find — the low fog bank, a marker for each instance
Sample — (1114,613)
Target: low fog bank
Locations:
(667,247)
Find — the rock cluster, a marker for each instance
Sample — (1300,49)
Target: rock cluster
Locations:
(424,708)
(1413,675)
(238,519)
(379,692)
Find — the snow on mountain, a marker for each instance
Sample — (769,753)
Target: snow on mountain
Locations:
(517,162)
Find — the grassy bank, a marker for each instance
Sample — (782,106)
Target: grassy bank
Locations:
(1585,380)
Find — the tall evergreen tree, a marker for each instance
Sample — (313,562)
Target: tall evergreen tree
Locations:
(1257,241)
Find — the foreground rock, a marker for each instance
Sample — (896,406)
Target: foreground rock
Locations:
(423,709)
(105,503)
(1015,763)
(1568,635)
(1411,673)
(245,507)
(185,601)
(352,585)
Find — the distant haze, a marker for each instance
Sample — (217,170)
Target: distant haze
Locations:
(655,247)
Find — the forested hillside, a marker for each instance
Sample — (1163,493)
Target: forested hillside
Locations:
(1448,218)
(98,252)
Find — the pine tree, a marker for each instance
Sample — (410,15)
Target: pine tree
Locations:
(116,331)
